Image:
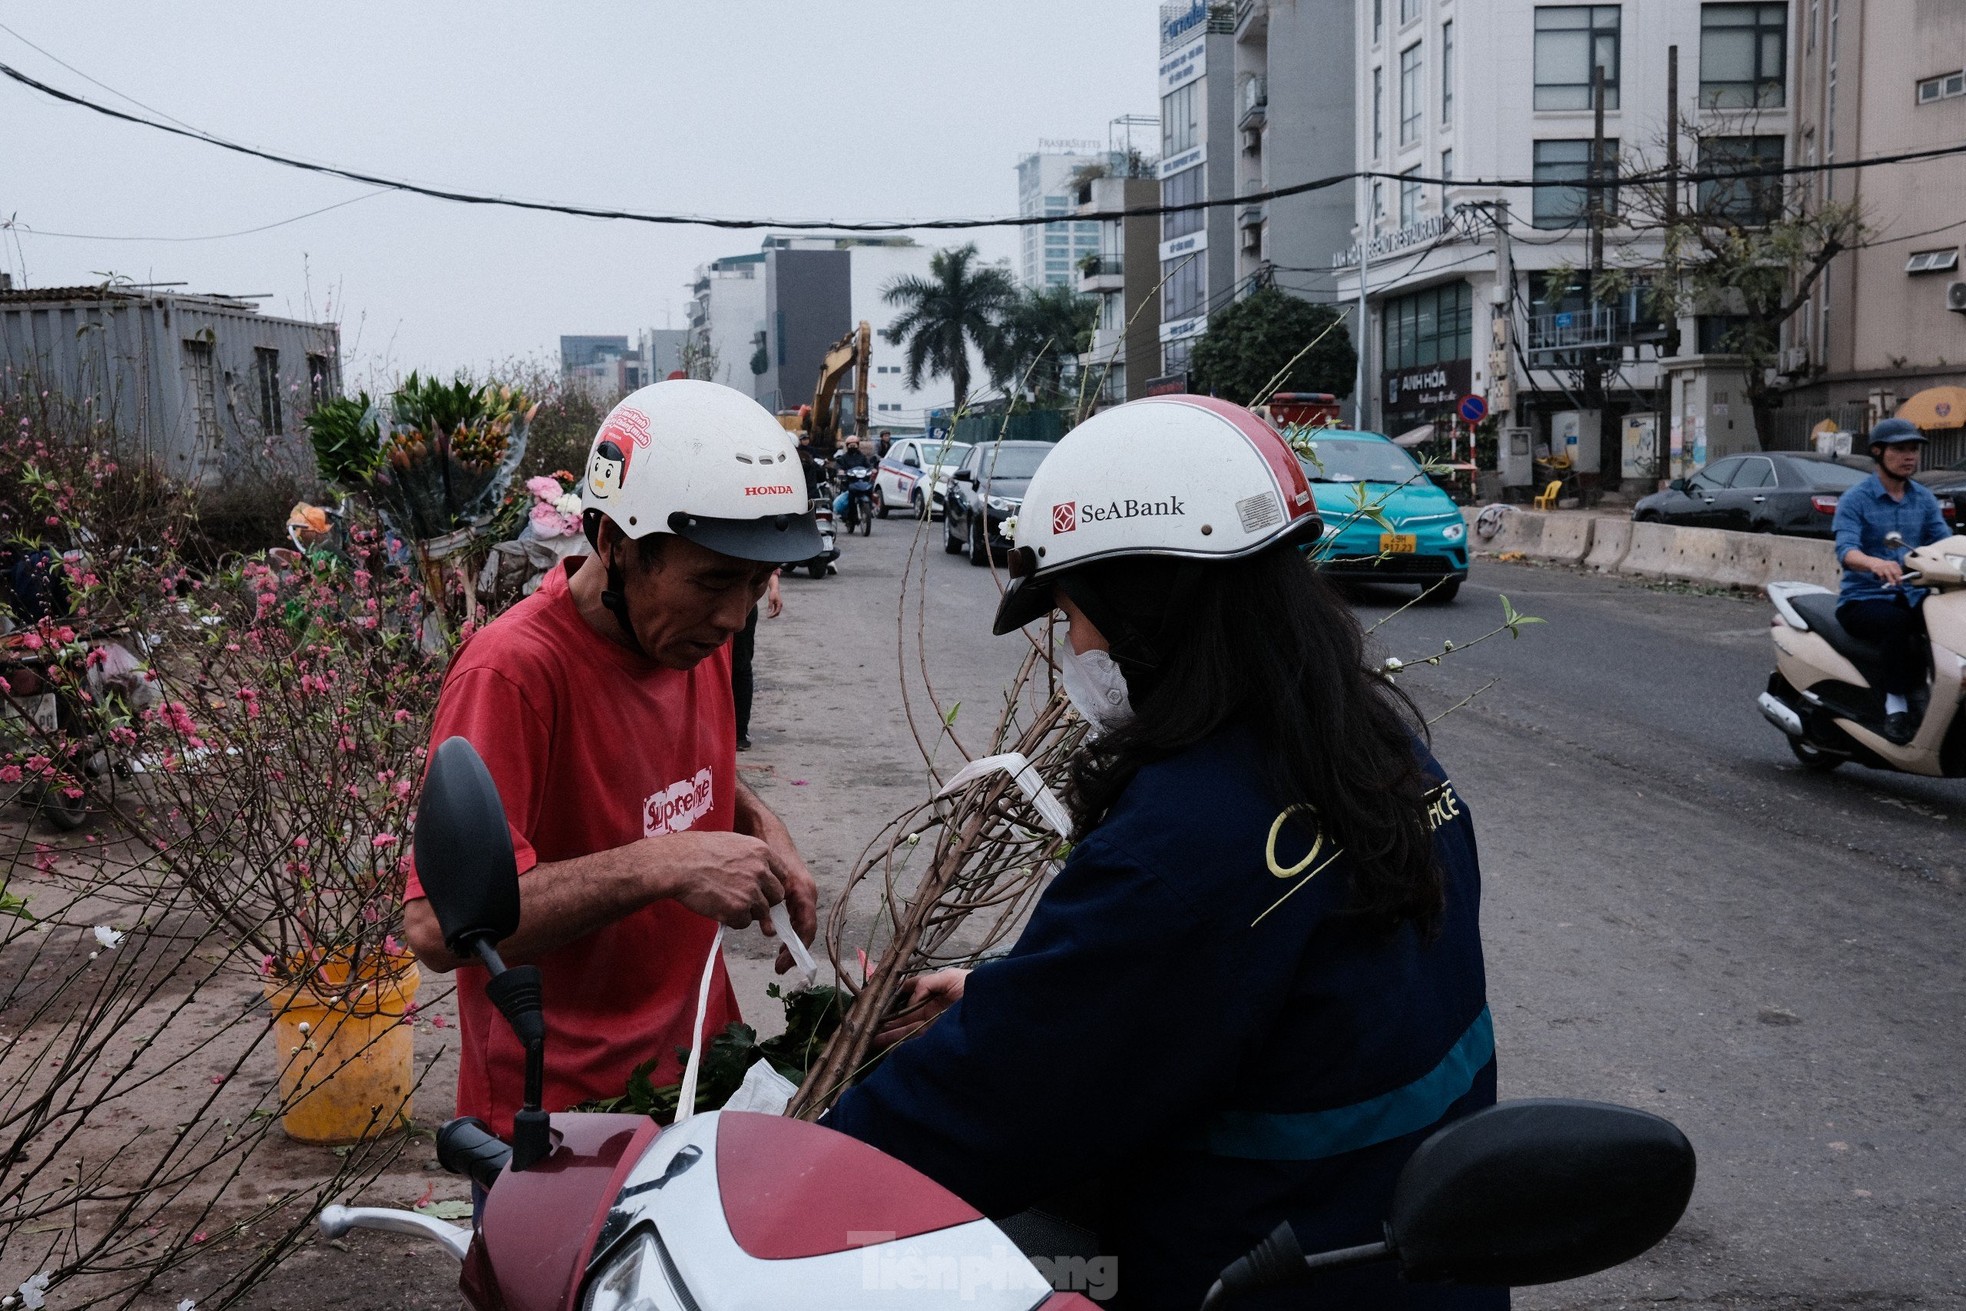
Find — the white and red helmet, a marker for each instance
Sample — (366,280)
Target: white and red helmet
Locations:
(705,463)
(1187,477)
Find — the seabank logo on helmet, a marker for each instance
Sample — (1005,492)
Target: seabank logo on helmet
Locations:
(1132,510)
(1065,518)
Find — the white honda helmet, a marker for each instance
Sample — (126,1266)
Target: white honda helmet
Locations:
(1189,477)
(705,463)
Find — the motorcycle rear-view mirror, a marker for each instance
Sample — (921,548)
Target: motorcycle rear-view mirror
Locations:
(464,850)
(1527,1192)
(1532,1192)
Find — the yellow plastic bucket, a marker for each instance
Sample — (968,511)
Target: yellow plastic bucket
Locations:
(346,1059)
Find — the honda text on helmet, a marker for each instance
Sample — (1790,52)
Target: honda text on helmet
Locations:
(1187,477)
(704,463)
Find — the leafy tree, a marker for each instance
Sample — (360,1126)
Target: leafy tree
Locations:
(1042,335)
(959,305)
(1743,244)
(1252,341)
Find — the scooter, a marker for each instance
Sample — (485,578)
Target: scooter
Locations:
(730,1209)
(858,498)
(1822,694)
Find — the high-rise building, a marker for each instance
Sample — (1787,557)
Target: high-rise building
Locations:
(1887,320)
(1295,111)
(727,319)
(1125,276)
(1473,288)
(1197,163)
(1047,184)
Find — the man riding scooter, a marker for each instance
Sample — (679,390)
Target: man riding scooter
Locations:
(1875,603)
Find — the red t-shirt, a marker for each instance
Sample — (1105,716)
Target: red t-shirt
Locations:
(592,748)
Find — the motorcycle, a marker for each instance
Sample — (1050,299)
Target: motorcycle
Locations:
(1823,694)
(728,1209)
(856,502)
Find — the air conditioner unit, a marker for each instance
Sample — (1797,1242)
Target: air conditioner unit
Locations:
(1956,297)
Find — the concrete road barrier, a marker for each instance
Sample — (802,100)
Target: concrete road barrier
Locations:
(1566,538)
(1610,539)
(1696,554)
(1743,561)
(1802,560)
(1651,551)
(1522,530)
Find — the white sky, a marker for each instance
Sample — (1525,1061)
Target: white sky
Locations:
(757,108)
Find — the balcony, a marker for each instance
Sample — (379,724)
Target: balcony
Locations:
(1101,273)
(1253,103)
(1573,336)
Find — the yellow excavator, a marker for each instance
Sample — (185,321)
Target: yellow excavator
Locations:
(822,417)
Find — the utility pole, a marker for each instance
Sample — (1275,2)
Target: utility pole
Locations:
(1362,337)
(1591,421)
(1669,348)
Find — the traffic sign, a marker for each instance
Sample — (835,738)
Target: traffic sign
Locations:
(1472,408)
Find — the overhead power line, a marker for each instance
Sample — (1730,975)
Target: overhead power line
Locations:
(1729,174)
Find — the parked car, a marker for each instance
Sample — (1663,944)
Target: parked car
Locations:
(915,473)
(1949,485)
(1764,492)
(1385,521)
(986,489)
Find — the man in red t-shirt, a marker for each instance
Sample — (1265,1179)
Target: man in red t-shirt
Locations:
(602,706)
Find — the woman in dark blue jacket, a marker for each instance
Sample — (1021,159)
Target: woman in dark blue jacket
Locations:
(1256,985)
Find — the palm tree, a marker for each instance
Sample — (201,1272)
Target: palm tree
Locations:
(1043,334)
(958,305)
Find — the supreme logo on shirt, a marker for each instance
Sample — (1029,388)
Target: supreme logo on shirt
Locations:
(677,806)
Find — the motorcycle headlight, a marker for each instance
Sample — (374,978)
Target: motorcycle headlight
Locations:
(1002,504)
(1454,532)
(635,1279)
(1958,562)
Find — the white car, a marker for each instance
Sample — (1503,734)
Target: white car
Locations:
(915,473)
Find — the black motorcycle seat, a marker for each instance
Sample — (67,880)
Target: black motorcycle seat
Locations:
(1818,610)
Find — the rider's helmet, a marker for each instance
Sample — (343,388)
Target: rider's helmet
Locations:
(1183,478)
(1896,432)
(702,462)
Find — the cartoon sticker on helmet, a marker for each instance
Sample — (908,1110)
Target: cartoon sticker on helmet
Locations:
(607,470)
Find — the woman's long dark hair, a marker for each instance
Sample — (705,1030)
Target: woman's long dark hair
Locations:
(1267,644)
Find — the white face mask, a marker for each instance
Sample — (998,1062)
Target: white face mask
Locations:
(1095,687)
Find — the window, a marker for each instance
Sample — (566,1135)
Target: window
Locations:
(1409,198)
(1751,200)
(1933,261)
(1428,327)
(1570,161)
(320,380)
(266,371)
(1571,41)
(1378,21)
(1754,472)
(1942,88)
(1744,56)
(1447,72)
(1446,176)
(1174,356)
(1378,112)
(1730,334)
(1378,204)
(1408,11)
(1410,95)
(1180,120)
(1184,188)
(1715,477)
(1184,287)
(203,376)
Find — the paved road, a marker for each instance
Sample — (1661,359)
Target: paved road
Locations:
(1676,917)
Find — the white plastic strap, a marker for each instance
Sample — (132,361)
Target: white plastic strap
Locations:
(686,1099)
(781,924)
(1023,773)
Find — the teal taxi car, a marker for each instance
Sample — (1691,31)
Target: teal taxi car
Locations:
(1385,521)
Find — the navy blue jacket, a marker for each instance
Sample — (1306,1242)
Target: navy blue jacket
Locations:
(1216,1047)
